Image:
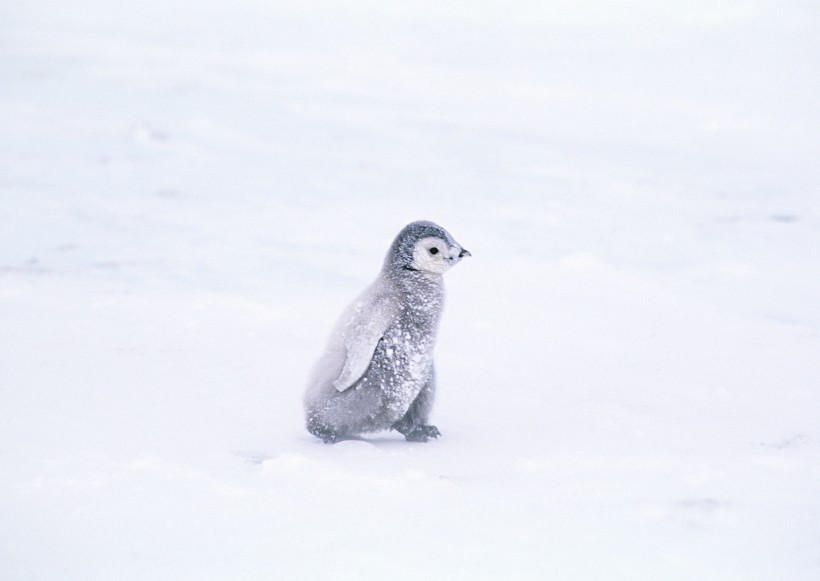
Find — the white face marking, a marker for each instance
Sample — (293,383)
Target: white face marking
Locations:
(434,255)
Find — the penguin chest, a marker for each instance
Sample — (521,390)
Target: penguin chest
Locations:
(402,366)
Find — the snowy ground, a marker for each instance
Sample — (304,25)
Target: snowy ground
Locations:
(629,364)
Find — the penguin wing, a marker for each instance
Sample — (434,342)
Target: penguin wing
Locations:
(362,336)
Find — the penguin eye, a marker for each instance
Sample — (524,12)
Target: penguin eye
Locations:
(434,250)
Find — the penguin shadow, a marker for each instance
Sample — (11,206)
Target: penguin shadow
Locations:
(384,441)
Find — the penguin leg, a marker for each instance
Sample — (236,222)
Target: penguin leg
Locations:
(422,434)
(414,423)
(345,415)
(326,422)
(321,429)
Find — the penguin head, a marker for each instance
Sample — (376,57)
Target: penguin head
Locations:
(426,247)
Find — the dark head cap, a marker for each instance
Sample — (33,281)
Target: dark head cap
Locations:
(425,246)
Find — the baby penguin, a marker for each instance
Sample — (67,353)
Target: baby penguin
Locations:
(377,371)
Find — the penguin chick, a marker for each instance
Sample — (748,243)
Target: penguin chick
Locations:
(377,371)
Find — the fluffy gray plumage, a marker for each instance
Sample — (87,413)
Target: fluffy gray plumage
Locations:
(377,371)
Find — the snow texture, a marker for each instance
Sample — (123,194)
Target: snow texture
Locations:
(627,368)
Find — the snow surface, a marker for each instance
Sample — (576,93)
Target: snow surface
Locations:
(628,364)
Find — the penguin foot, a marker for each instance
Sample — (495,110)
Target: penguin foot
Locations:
(329,438)
(327,435)
(422,434)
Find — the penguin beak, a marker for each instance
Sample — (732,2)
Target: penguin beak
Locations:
(464,252)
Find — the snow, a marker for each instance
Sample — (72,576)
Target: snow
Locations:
(628,364)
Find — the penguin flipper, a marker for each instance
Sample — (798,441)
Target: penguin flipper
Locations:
(362,336)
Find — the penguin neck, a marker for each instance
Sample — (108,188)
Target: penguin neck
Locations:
(423,292)
(409,276)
